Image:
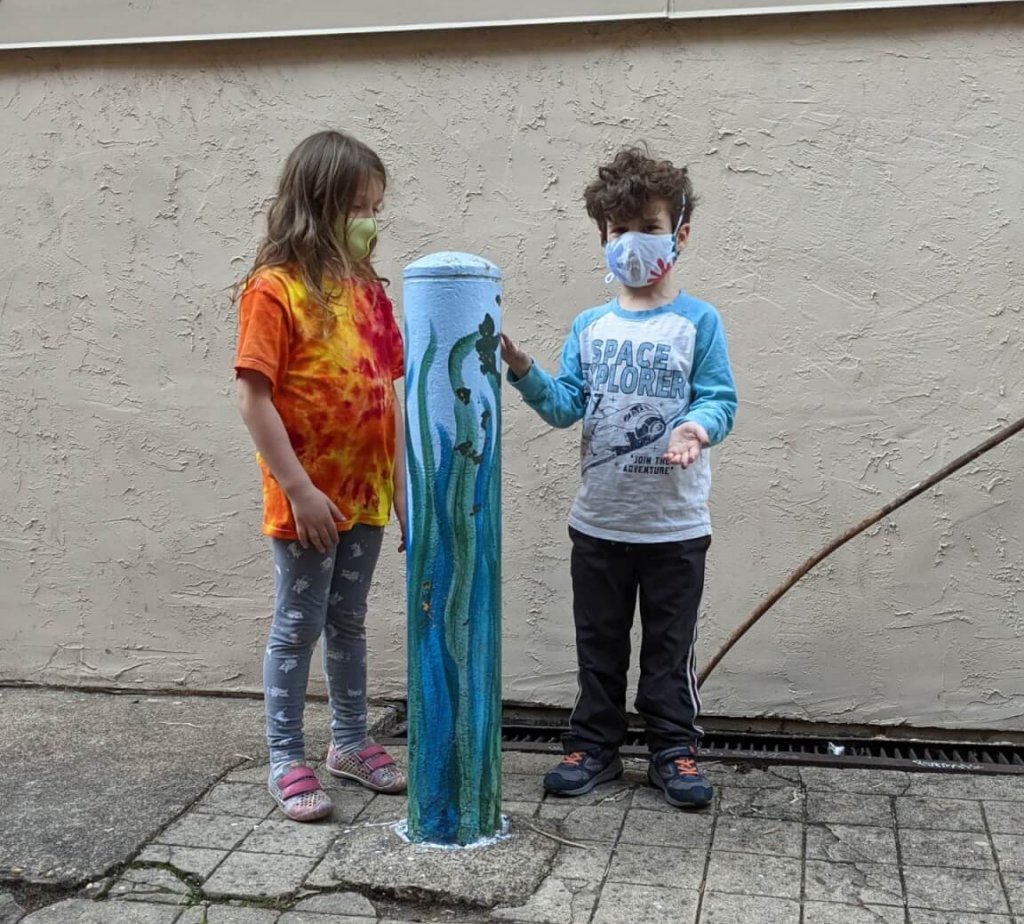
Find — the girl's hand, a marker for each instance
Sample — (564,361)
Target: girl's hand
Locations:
(400,515)
(518,361)
(316,518)
(685,444)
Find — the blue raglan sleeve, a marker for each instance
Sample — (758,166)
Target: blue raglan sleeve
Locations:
(712,388)
(559,401)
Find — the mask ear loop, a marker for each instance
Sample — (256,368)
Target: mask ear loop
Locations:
(675,231)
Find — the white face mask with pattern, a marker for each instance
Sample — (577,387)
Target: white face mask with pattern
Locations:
(636,259)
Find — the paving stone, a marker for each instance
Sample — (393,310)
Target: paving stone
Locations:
(258,875)
(784,802)
(10,911)
(868,782)
(960,890)
(246,799)
(1005,817)
(1015,889)
(521,789)
(743,777)
(1010,851)
(851,844)
(919,916)
(525,809)
(599,823)
(555,902)
(940,814)
(754,874)
(587,864)
(349,799)
(351,903)
(381,719)
(384,808)
(198,861)
(305,917)
(221,832)
(151,885)
(829,913)
(528,762)
(309,839)
(86,911)
(659,866)
(766,836)
(967,786)
(652,800)
(613,793)
(320,877)
(678,829)
(719,908)
(226,914)
(849,809)
(255,772)
(957,849)
(621,902)
(853,883)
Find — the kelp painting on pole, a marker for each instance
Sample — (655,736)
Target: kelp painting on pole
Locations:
(452,306)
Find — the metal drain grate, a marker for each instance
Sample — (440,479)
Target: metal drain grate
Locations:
(867,753)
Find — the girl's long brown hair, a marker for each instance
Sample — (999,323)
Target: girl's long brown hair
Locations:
(317,190)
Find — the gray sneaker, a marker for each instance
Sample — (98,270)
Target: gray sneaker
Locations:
(675,773)
(580,771)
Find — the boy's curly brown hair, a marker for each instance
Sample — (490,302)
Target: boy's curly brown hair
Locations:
(625,186)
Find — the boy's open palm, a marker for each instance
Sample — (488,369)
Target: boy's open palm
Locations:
(685,444)
(316,519)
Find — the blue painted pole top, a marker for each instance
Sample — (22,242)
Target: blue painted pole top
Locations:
(451,263)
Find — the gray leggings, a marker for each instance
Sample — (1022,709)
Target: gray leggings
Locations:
(319,594)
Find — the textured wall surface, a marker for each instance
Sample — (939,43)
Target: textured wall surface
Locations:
(860,231)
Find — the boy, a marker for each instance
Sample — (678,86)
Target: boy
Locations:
(648,373)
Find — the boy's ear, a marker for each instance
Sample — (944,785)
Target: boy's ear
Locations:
(682,236)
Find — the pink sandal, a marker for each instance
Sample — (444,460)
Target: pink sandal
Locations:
(372,767)
(300,796)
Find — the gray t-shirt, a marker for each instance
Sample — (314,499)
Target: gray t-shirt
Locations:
(632,377)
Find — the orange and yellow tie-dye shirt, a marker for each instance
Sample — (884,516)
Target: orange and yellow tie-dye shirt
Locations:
(332,386)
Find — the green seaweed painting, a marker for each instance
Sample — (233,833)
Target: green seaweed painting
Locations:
(453,413)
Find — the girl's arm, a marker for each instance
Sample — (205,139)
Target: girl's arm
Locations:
(399,480)
(316,515)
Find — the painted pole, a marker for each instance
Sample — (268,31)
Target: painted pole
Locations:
(452,305)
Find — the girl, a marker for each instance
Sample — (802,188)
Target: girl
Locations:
(318,352)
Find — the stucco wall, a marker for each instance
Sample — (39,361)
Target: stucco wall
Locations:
(860,231)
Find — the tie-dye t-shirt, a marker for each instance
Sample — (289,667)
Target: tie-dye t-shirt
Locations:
(332,386)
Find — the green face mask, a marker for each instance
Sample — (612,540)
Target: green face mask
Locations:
(360,235)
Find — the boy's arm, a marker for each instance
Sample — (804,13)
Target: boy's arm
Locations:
(559,401)
(712,388)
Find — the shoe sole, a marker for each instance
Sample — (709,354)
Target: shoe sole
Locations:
(612,772)
(658,783)
(312,815)
(366,784)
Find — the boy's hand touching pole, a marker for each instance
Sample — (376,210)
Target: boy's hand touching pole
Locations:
(685,444)
(518,361)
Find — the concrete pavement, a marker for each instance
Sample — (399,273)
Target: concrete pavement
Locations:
(152,810)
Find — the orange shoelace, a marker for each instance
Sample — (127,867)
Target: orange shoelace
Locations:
(685,766)
(574,759)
